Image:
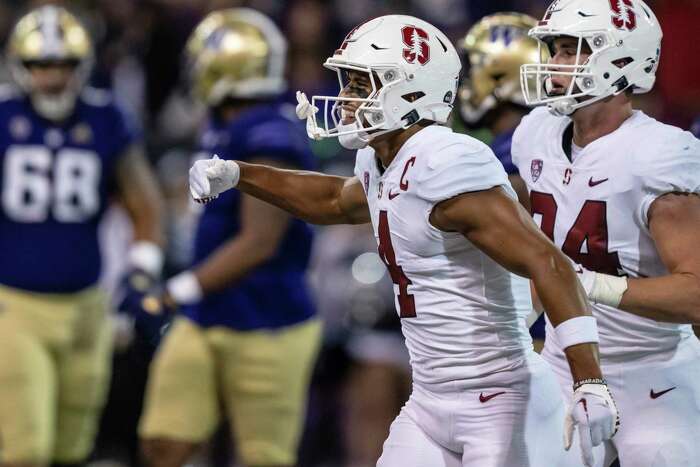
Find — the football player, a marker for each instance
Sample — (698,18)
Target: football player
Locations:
(249,335)
(617,191)
(64,150)
(455,242)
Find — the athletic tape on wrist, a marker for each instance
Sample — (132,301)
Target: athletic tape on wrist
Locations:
(608,289)
(184,288)
(579,330)
(146,256)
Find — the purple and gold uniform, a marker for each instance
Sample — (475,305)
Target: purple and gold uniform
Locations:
(253,343)
(55,182)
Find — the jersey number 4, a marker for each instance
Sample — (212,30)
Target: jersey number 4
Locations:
(36,182)
(587,240)
(407,304)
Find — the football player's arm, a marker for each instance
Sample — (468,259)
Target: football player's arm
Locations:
(262,229)
(674,223)
(502,229)
(520,188)
(311,196)
(138,194)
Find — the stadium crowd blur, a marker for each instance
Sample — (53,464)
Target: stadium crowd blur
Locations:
(362,378)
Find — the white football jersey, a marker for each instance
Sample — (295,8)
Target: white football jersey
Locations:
(462,314)
(595,210)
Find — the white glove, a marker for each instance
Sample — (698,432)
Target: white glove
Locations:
(211,177)
(594,412)
(306,111)
(304,108)
(601,288)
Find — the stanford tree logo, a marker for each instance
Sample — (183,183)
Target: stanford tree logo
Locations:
(416,42)
(623,16)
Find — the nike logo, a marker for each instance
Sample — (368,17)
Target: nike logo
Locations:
(483,399)
(656,395)
(592,183)
(393,195)
(584,15)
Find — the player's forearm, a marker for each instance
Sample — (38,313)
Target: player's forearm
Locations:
(563,299)
(674,298)
(230,262)
(310,196)
(557,288)
(583,362)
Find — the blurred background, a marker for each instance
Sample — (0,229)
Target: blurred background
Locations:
(362,376)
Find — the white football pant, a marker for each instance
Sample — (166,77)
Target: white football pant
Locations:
(511,419)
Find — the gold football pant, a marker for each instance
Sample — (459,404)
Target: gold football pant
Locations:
(261,377)
(54,373)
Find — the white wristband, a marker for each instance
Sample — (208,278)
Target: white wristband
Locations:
(608,289)
(579,330)
(147,256)
(184,288)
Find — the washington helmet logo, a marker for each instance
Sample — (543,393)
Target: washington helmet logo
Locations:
(416,42)
(536,169)
(623,16)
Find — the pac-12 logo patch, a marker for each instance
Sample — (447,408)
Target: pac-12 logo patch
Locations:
(366,182)
(536,169)
(416,42)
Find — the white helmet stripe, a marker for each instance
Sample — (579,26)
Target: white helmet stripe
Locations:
(50,29)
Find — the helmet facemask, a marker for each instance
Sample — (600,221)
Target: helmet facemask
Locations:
(370,118)
(55,106)
(536,78)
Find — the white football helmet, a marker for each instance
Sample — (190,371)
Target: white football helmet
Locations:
(625,40)
(418,69)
